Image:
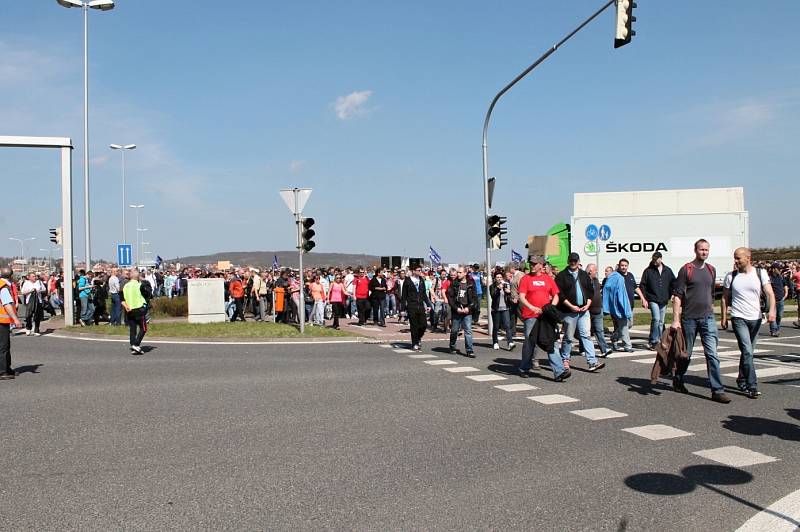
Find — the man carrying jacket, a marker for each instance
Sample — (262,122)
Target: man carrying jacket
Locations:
(656,285)
(575,289)
(463,300)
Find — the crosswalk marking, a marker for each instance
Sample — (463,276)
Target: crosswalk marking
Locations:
(421,356)
(553,399)
(384,345)
(722,364)
(519,387)
(762,372)
(735,456)
(658,432)
(461,369)
(485,378)
(623,354)
(401,350)
(596,414)
(440,362)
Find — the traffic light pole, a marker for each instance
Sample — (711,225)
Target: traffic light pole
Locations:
(505,89)
(301,311)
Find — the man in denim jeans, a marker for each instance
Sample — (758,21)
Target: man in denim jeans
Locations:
(575,297)
(742,292)
(462,300)
(657,284)
(693,312)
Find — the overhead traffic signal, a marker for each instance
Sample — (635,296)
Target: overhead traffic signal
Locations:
(55,235)
(496,231)
(306,234)
(625,20)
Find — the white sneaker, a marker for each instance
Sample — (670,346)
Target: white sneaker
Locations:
(511,345)
(35,334)
(496,347)
(28,332)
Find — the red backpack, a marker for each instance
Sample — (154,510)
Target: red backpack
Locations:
(690,268)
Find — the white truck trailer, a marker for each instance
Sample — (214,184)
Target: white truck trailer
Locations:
(609,226)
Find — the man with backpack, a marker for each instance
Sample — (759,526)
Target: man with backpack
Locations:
(693,313)
(744,291)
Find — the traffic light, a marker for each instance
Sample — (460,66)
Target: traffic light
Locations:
(55,235)
(496,231)
(306,234)
(625,20)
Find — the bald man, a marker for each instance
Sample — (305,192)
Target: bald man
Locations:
(742,293)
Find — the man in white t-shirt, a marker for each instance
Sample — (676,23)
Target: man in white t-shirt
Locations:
(742,293)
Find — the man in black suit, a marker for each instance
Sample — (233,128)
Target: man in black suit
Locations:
(416,301)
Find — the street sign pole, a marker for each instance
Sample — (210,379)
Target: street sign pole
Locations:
(295,199)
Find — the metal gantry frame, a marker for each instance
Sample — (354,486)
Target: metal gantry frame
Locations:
(65,144)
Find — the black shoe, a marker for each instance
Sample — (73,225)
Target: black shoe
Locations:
(564,375)
(453,351)
(604,355)
(7,376)
(752,394)
(524,374)
(720,397)
(678,386)
(470,354)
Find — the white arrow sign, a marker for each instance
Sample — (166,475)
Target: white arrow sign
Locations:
(288,195)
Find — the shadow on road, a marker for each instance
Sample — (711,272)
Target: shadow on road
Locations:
(640,386)
(30,368)
(691,477)
(759,426)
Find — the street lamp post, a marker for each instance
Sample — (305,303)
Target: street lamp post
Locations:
(137,207)
(123,148)
(102,5)
(485,150)
(138,246)
(22,245)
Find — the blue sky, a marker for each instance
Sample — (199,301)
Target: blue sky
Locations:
(378,106)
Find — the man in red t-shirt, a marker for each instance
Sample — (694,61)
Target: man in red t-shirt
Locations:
(536,290)
(363,304)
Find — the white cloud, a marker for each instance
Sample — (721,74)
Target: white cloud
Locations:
(352,105)
(296,166)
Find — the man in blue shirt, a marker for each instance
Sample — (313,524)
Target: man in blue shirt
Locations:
(477,276)
(85,287)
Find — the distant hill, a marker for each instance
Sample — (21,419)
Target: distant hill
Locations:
(285,258)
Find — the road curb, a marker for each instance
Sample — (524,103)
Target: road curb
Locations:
(212,341)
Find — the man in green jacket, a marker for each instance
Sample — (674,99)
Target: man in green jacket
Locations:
(134,305)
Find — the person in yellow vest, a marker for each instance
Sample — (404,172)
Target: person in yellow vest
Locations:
(8,317)
(134,305)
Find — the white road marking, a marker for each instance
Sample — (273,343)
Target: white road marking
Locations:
(440,362)
(421,356)
(461,369)
(401,350)
(768,372)
(596,414)
(735,456)
(485,378)
(623,354)
(781,516)
(722,364)
(519,387)
(553,399)
(658,432)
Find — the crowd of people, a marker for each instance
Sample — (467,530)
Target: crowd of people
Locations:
(555,307)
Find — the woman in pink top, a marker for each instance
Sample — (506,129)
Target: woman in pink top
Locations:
(336,295)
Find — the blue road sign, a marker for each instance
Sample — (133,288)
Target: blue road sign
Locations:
(591,232)
(605,232)
(124,254)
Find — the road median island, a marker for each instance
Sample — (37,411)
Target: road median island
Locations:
(250,330)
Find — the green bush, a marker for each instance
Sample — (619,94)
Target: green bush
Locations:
(175,307)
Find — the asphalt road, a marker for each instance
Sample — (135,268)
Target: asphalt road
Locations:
(358,436)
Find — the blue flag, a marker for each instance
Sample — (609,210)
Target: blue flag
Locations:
(435,257)
(515,257)
(275,265)
(159,260)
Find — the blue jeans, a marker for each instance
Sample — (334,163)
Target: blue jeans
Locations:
(657,312)
(775,326)
(746,332)
(318,313)
(583,324)
(528,348)
(622,331)
(391,305)
(501,318)
(598,327)
(87,310)
(116,310)
(459,321)
(707,328)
